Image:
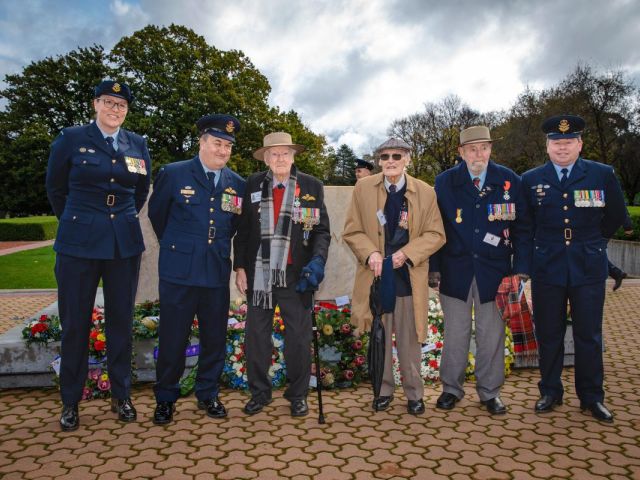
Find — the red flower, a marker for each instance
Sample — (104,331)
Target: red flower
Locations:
(434,329)
(359,360)
(348,374)
(195,322)
(433,363)
(345,328)
(43,318)
(438,344)
(357,345)
(328,306)
(99,345)
(94,334)
(346,310)
(38,327)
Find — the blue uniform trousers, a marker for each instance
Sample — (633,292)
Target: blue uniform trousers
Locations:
(179,304)
(78,280)
(550,312)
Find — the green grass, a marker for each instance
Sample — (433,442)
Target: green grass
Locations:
(634,210)
(28,269)
(37,219)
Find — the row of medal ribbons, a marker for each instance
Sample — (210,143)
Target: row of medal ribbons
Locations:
(588,198)
(501,211)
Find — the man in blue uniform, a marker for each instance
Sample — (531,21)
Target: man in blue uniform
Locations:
(194,210)
(577,205)
(364,168)
(97,182)
(488,237)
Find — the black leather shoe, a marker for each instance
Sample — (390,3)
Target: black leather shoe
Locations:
(299,408)
(69,419)
(381,403)
(546,403)
(125,410)
(446,401)
(495,406)
(213,406)
(415,407)
(618,279)
(164,413)
(598,411)
(254,406)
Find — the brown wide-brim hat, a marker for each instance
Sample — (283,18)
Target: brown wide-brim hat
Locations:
(477,134)
(277,139)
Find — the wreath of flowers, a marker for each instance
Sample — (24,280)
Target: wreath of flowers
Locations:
(44,329)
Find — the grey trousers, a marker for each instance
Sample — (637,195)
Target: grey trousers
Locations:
(490,334)
(402,322)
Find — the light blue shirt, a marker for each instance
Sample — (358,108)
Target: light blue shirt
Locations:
(482,177)
(558,168)
(207,170)
(398,185)
(114,135)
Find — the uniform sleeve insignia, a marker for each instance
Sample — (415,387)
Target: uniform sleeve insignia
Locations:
(308,198)
(230,127)
(116,87)
(231,191)
(563,126)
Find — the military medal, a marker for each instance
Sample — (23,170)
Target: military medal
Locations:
(135,165)
(403,222)
(505,234)
(490,211)
(507,186)
(458,215)
(231,203)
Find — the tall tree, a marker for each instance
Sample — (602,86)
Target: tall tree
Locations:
(344,168)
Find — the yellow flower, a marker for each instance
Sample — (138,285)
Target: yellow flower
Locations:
(327,329)
(101,337)
(104,377)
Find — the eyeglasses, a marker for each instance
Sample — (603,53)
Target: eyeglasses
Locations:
(387,156)
(107,102)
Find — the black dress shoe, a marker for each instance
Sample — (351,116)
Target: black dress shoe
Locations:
(415,407)
(125,409)
(164,413)
(299,408)
(546,403)
(381,403)
(254,406)
(446,401)
(495,406)
(618,279)
(599,411)
(69,420)
(213,406)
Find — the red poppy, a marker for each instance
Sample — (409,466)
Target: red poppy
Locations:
(94,334)
(433,363)
(38,328)
(43,318)
(438,344)
(99,345)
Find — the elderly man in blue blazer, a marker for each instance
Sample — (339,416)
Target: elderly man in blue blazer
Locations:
(194,210)
(488,237)
(577,206)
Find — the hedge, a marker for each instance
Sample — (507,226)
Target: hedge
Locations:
(634,214)
(28,228)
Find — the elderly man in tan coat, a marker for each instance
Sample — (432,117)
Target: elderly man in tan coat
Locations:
(394,216)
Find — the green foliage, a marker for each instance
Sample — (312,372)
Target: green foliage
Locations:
(634,214)
(28,269)
(28,228)
(343,172)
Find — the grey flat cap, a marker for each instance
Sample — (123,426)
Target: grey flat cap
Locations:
(394,143)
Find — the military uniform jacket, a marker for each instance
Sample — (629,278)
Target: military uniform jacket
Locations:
(247,242)
(573,223)
(488,232)
(97,195)
(195,225)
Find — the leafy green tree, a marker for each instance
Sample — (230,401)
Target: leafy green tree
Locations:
(343,172)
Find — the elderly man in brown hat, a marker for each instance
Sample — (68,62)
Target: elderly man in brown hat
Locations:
(485,218)
(280,251)
(394,220)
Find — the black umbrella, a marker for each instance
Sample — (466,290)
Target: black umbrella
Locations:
(375,354)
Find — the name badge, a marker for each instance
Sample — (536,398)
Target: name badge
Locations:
(491,239)
(381,218)
(256,197)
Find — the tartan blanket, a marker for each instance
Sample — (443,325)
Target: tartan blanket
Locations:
(516,312)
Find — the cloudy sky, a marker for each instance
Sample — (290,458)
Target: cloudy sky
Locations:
(349,68)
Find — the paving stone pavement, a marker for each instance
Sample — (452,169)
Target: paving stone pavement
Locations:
(16,306)
(355,443)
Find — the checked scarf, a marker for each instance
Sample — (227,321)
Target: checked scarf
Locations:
(275,238)
(515,310)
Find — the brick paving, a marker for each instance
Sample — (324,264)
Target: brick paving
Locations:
(355,443)
(16,306)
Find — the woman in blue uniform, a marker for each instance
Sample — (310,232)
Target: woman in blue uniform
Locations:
(97,181)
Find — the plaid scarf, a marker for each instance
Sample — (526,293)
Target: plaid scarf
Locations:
(275,237)
(516,312)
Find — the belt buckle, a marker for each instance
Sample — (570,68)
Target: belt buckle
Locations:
(111,200)
(568,234)
(212,233)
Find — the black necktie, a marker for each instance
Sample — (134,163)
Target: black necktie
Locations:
(211,176)
(110,141)
(392,188)
(476,182)
(280,186)
(564,177)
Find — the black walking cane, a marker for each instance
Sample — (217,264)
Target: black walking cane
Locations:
(317,358)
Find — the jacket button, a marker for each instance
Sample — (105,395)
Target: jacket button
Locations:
(84,161)
(567,242)
(379,233)
(477,205)
(210,222)
(136,215)
(566,220)
(210,241)
(112,215)
(113,160)
(212,199)
(211,209)
(477,230)
(565,208)
(475,255)
(112,180)
(173,247)
(186,201)
(74,217)
(565,195)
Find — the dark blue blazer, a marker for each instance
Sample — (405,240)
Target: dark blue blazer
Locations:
(95,196)
(570,244)
(466,253)
(194,232)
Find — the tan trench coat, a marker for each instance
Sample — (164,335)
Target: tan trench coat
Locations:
(364,235)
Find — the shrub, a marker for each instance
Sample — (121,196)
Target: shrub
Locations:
(28,228)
